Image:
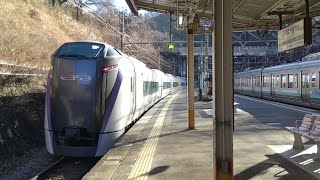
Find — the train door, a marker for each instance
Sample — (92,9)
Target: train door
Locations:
(241,83)
(273,85)
(305,86)
(132,94)
(252,85)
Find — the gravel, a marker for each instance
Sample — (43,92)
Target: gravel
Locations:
(28,165)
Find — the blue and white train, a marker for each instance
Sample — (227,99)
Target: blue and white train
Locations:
(294,83)
(94,93)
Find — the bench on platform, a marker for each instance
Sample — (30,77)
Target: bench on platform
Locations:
(235,107)
(310,129)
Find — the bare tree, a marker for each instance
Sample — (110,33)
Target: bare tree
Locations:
(99,5)
(53,2)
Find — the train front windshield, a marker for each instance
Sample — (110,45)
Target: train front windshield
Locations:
(80,50)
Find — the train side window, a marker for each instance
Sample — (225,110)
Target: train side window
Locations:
(290,81)
(296,81)
(274,81)
(264,81)
(247,82)
(283,81)
(278,81)
(258,81)
(313,80)
(255,81)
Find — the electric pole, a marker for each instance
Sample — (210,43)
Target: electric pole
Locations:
(159,58)
(121,28)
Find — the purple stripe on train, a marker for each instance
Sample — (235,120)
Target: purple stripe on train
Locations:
(110,103)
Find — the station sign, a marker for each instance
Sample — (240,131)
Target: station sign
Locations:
(295,35)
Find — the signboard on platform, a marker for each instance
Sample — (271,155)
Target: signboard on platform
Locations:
(295,35)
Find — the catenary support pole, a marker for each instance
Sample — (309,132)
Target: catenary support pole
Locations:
(223,88)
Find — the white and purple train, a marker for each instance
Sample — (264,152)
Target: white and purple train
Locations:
(94,93)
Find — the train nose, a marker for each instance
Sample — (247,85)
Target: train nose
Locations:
(75,94)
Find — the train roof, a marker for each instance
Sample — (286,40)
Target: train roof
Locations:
(97,42)
(135,61)
(250,71)
(88,41)
(285,66)
(294,65)
(313,56)
(170,75)
(157,70)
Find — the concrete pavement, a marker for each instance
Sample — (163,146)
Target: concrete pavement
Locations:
(159,145)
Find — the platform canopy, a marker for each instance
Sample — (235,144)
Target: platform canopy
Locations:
(247,14)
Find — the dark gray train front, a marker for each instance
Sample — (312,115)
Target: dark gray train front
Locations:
(78,89)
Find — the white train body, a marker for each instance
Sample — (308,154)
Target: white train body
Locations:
(91,101)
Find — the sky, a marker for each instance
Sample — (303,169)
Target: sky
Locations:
(121,4)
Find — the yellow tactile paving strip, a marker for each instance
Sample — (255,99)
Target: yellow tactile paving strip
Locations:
(143,164)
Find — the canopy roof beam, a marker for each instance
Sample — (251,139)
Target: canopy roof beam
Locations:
(247,14)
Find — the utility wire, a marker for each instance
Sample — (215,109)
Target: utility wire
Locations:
(99,18)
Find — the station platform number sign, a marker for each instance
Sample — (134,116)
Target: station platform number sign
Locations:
(296,35)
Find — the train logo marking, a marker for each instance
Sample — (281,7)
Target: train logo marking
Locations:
(75,78)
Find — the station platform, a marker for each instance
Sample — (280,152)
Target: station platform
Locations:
(160,145)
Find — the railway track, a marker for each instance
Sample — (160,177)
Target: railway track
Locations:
(67,168)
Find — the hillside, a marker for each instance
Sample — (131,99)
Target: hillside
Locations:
(30,31)
(33,31)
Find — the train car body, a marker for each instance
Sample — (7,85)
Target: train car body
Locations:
(94,93)
(294,83)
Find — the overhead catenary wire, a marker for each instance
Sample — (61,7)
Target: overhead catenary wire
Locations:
(139,47)
(99,18)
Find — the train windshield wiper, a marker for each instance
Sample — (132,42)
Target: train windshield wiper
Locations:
(73,55)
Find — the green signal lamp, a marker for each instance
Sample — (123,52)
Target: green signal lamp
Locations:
(171,46)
